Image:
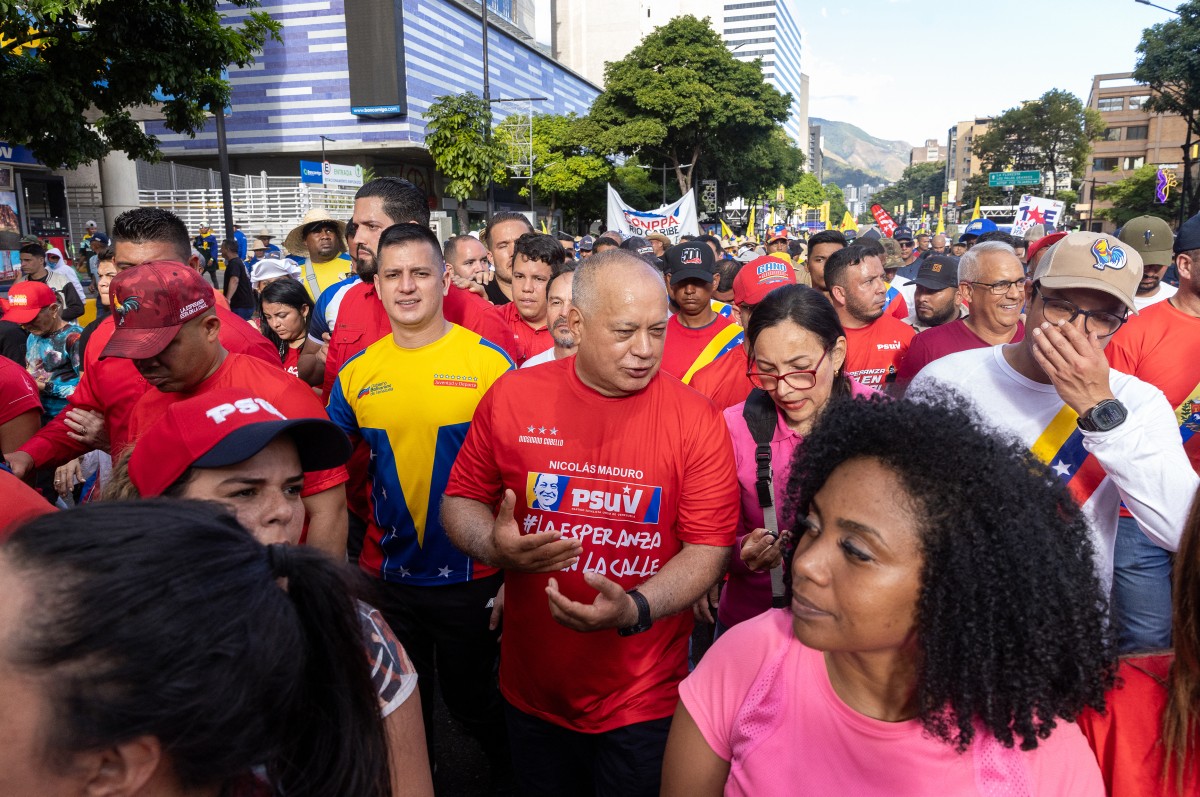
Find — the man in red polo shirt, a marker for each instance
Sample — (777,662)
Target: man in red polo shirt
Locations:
(697,335)
(166,325)
(110,388)
(584,478)
(875,342)
(724,381)
(519,327)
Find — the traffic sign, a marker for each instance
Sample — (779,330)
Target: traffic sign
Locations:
(999,179)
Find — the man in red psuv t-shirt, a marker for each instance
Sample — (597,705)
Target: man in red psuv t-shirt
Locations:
(607,492)
(112,387)
(875,343)
(519,327)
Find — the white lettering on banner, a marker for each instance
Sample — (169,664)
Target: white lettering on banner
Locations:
(678,218)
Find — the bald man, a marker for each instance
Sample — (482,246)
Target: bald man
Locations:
(621,550)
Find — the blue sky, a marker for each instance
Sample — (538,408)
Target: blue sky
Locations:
(908,70)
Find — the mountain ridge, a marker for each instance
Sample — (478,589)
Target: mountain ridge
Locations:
(850,148)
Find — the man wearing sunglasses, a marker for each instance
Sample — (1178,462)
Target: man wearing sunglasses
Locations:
(1109,437)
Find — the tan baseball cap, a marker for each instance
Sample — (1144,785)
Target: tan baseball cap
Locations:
(1094,261)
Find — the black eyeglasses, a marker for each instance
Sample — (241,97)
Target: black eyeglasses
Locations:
(1101,323)
(1002,287)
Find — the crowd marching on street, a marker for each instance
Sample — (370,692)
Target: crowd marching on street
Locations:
(812,514)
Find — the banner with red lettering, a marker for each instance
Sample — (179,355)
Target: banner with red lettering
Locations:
(885,222)
(678,218)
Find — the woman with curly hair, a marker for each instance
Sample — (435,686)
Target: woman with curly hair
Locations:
(1148,738)
(946,626)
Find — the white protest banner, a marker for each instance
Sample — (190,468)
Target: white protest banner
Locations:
(674,220)
(1037,210)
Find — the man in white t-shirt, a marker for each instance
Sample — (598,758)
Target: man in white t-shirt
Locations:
(558,305)
(1109,436)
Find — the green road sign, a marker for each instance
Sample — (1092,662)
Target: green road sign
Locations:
(1000,179)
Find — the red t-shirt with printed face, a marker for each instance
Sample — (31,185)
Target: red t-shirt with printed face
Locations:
(633,478)
(285,392)
(874,352)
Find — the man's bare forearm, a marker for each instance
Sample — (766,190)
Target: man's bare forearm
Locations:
(684,578)
(468,524)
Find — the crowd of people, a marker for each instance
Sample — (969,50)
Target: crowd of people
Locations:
(813,514)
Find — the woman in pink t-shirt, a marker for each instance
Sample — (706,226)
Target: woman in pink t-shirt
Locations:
(946,627)
(797,349)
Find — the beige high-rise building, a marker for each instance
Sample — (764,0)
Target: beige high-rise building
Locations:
(1134,137)
(961,162)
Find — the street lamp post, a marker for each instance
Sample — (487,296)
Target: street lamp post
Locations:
(1160,8)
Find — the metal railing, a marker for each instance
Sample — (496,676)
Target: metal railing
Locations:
(278,208)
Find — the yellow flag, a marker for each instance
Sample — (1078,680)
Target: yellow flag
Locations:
(848,223)
(545,230)
(932,203)
(750,223)
(725,231)
(910,204)
(976,214)
(825,212)
(941,228)
(771,218)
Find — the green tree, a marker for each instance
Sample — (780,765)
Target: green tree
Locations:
(680,94)
(977,186)
(562,166)
(71,71)
(756,169)
(1169,63)
(918,182)
(837,204)
(806,192)
(455,133)
(1134,196)
(1053,133)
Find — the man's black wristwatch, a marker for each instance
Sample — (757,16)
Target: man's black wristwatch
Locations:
(1105,416)
(643,622)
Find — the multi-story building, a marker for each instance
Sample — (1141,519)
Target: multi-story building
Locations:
(932,152)
(1134,137)
(816,161)
(961,163)
(589,35)
(335,86)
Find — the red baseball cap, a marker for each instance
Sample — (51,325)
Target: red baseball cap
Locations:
(224,427)
(1042,243)
(27,299)
(761,276)
(150,303)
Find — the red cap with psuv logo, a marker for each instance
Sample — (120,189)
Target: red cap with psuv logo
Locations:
(224,427)
(759,277)
(150,303)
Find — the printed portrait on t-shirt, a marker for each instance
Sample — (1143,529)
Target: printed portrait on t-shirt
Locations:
(546,492)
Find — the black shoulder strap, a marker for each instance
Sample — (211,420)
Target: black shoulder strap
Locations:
(759,414)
